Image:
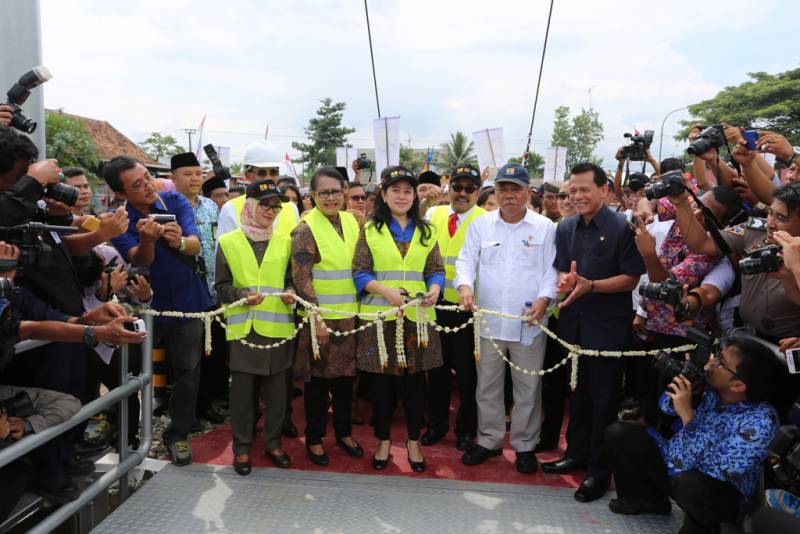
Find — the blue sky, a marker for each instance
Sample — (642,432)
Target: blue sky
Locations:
(442,65)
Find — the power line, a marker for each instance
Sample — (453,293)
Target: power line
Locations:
(538,84)
(372,58)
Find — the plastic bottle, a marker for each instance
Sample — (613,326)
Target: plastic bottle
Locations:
(526,336)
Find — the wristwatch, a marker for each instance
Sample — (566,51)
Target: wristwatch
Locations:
(89,337)
(791,159)
(182,246)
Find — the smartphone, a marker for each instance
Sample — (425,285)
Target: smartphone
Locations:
(750,136)
(163,218)
(793,360)
(136,326)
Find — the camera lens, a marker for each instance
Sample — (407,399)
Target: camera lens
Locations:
(63,193)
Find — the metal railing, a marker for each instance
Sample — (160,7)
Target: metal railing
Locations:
(128,459)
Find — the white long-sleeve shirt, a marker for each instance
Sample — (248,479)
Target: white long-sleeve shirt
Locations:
(512,264)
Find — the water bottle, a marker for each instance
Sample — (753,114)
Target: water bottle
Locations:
(526,336)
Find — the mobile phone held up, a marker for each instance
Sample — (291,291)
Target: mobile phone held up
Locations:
(136,326)
(793,360)
(750,137)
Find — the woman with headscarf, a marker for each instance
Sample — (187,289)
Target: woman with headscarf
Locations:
(252,261)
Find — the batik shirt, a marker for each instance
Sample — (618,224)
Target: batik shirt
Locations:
(207,215)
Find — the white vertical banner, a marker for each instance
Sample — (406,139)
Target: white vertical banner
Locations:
(224,153)
(555,163)
(386,135)
(345,157)
(490,146)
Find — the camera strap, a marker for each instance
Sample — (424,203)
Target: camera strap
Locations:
(194,263)
(712,224)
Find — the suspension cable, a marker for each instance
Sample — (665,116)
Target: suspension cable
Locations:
(372,58)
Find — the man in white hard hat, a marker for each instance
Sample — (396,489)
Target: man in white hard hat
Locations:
(261,161)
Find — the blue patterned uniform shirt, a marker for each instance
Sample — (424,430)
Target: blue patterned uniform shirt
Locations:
(207,216)
(727,442)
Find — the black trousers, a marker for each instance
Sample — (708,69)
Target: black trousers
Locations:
(214,372)
(555,389)
(15,479)
(315,400)
(183,341)
(458,350)
(109,375)
(640,471)
(385,389)
(593,406)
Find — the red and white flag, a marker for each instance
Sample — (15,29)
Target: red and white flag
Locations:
(200,138)
(290,166)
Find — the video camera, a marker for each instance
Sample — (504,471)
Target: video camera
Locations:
(669,291)
(220,170)
(20,405)
(784,456)
(20,92)
(669,365)
(711,137)
(639,144)
(763,260)
(671,185)
(363,162)
(33,251)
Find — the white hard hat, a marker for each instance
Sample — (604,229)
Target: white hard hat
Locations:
(262,154)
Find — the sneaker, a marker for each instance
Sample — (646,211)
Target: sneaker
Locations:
(181,452)
(103,433)
(79,468)
(58,494)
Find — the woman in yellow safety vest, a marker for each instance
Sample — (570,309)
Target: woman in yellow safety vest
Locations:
(253,260)
(322,257)
(397,255)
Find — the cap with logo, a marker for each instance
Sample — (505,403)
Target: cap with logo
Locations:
(390,175)
(513,173)
(261,189)
(466,171)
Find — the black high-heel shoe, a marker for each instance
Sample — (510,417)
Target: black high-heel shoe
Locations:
(242,468)
(381,464)
(417,467)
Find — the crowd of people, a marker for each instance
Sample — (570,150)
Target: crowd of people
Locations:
(568,255)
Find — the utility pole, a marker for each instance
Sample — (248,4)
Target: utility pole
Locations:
(590,97)
(661,135)
(190,132)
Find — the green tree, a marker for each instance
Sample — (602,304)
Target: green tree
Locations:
(459,150)
(766,101)
(236,168)
(69,142)
(535,164)
(325,132)
(159,145)
(411,159)
(580,136)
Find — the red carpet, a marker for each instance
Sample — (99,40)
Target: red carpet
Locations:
(443,459)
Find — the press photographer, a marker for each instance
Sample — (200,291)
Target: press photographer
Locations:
(712,465)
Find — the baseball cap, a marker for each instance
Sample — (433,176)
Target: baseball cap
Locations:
(514,173)
(636,181)
(262,189)
(430,177)
(390,175)
(466,171)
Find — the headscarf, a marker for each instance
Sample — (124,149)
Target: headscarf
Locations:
(251,228)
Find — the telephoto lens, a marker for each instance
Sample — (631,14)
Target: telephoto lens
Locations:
(63,193)
(763,260)
(669,367)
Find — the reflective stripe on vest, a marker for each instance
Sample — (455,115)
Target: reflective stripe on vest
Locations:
(386,259)
(286,221)
(449,247)
(271,318)
(333,275)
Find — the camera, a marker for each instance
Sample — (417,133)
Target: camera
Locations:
(363,162)
(20,405)
(135,271)
(163,218)
(33,251)
(19,93)
(711,137)
(670,365)
(220,170)
(136,326)
(639,144)
(763,260)
(62,193)
(784,456)
(671,185)
(669,291)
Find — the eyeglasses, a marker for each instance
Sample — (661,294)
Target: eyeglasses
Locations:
(358,198)
(263,172)
(468,189)
(335,193)
(562,196)
(717,360)
(265,205)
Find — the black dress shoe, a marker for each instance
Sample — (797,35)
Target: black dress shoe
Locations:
(242,468)
(289,430)
(431,437)
(417,467)
(640,506)
(477,455)
(213,416)
(564,465)
(283,461)
(355,452)
(321,460)
(464,443)
(380,464)
(526,462)
(591,489)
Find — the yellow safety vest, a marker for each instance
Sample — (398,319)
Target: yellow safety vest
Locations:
(333,275)
(286,221)
(393,270)
(271,318)
(449,247)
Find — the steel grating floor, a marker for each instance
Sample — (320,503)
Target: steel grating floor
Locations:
(204,498)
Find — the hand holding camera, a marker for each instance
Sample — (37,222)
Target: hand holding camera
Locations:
(45,172)
(140,287)
(113,224)
(6,113)
(116,333)
(149,230)
(775,144)
(105,313)
(680,391)
(173,234)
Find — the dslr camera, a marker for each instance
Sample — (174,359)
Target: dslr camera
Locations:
(711,137)
(363,162)
(763,260)
(784,456)
(669,365)
(669,291)
(163,218)
(220,170)
(19,93)
(638,146)
(62,193)
(33,251)
(671,185)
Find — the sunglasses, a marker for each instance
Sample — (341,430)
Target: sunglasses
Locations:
(562,196)
(358,198)
(262,172)
(459,188)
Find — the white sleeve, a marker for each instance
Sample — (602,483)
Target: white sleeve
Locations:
(227,219)
(721,276)
(468,257)
(429,213)
(550,277)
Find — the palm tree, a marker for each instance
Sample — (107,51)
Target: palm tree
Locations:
(459,150)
